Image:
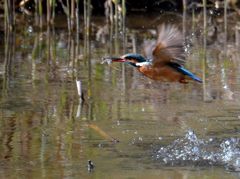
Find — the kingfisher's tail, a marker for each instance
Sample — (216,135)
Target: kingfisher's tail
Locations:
(189,74)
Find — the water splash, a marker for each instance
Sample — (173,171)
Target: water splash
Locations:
(190,150)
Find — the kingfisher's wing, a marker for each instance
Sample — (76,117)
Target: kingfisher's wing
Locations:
(169,47)
(147,48)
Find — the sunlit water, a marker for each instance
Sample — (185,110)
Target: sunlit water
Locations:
(126,124)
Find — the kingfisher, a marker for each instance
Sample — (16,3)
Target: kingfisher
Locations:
(167,58)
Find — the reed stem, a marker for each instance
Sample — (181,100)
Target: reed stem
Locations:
(204,65)
(225,25)
(40,13)
(9,14)
(72,14)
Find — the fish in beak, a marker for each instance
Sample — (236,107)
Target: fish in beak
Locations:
(113,59)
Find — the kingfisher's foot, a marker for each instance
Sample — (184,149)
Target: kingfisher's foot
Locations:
(184,81)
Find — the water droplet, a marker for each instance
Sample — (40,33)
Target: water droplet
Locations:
(100,145)
(30,29)
(165,160)
(118,123)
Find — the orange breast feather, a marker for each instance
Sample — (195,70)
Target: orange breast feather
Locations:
(164,73)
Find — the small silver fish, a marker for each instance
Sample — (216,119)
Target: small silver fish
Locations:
(107,60)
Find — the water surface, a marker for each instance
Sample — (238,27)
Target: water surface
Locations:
(127,125)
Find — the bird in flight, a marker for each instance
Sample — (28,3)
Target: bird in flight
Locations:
(168,58)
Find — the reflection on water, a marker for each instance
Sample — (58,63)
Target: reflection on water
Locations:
(48,130)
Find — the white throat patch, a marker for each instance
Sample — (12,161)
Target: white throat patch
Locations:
(143,64)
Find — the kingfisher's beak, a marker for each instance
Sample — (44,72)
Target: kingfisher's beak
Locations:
(117,59)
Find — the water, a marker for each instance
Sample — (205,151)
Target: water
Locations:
(126,124)
(193,151)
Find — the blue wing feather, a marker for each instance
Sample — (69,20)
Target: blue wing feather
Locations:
(184,71)
(188,73)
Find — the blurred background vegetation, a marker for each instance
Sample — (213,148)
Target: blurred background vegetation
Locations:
(49,9)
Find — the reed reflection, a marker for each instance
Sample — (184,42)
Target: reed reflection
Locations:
(54,131)
(7,138)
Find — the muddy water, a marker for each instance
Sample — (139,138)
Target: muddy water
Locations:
(126,124)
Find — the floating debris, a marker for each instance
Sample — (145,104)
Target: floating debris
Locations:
(90,166)
(79,88)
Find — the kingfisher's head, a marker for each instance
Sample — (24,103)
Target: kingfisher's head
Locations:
(133,59)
